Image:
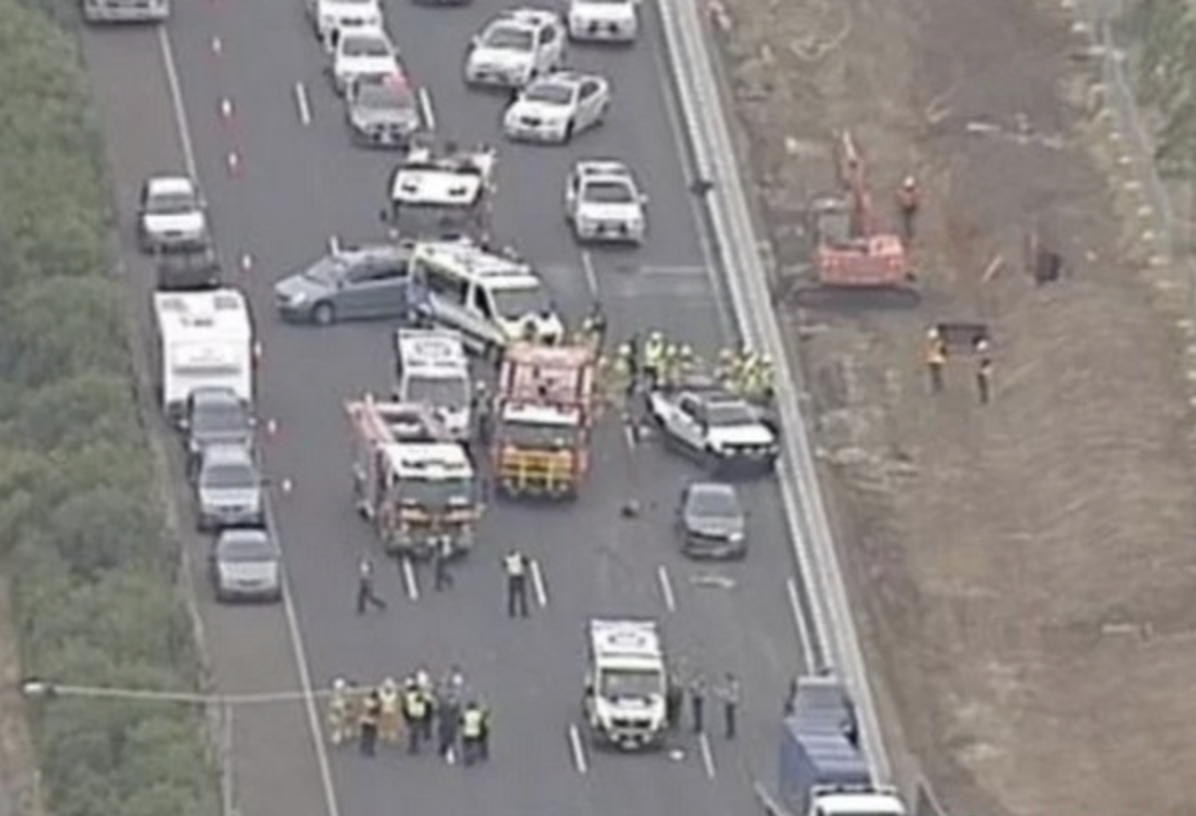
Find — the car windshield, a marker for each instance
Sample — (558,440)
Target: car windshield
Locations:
(613,684)
(550,93)
(539,436)
(712,502)
(328,269)
(229,476)
(607,2)
(246,548)
(514,304)
(436,220)
(436,493)
(439,392)
(386,96)
(509,38)
(365,45)
(178,203)
(609,192)
(729,415)
(220,417)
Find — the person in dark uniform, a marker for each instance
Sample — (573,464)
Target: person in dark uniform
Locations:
(697,704)
(366,596)
(448,719)
(367,725)
(416,714)
(515,565)
(441,557)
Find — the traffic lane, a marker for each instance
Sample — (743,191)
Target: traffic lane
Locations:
(638,130)
(249,648)
(721,617)
(297,185)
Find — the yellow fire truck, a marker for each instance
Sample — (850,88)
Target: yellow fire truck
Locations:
(410,479)
(544,413)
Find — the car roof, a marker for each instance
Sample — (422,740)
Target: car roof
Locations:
(528,17)
(367,252)
(366,33)
(228,455)
(564,78)
(602,168)
(169,185)
(246,534)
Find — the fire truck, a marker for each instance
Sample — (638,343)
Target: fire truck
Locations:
(544,411)
(411,480)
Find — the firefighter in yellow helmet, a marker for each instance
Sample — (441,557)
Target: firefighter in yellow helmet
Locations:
(687,363)
(653,359)
(727,363)
(340,712)
(768,378)
(620,377)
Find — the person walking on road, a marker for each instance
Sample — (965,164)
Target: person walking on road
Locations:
(730,705)
(697,703)
(515,565)
(366,596)
(441,556)
(909,203)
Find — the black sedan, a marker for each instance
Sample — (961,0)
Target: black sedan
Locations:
(711,522)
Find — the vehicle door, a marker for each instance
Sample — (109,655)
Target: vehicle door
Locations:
(548,48)
(447,295)
(689,423)
(390,278)
(483,316)
(354,295)
(572,194)
(589,102)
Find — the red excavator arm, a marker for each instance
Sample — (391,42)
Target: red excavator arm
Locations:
(853,175)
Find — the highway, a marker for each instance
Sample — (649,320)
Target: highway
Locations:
(295,183)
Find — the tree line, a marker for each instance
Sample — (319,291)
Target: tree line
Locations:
(92,564)
(1161,35)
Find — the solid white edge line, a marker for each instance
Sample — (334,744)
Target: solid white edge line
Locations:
(587,268)
(666,587)
(332,807)
(410,581)
(302,103)
(803,630)
(425,106)
(181,123)
(538,585)
(707,754)
(579,750)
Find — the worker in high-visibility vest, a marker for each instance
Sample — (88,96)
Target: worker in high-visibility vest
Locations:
(669,361)
(473,730)
(340,713)
(391,711)
(653,357)
(768,379)
(724,370)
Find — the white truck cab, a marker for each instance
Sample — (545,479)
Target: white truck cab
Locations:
(203,340)
(626,684)
(433,370)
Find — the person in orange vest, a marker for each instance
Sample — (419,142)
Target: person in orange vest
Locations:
(909,201)
(936,359)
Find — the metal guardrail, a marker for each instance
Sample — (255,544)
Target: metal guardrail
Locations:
(833,641)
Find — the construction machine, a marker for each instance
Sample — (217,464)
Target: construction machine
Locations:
(412,479)
(546,401)
(851,253)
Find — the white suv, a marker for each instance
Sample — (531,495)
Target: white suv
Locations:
(614,21)
(603,203)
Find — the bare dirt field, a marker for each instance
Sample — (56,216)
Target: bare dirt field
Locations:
(1026,569)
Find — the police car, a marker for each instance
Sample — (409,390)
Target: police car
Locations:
(612,21)
(329,16)
(363,53)
(723,432)
(603,202)
(557,107)
(492,299)
(432,370)
(516,47)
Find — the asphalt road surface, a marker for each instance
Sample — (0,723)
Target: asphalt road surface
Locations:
(296,182)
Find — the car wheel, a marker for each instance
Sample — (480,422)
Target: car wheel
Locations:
(322,314)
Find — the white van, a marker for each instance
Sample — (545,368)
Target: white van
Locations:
(432,370)
(493,300)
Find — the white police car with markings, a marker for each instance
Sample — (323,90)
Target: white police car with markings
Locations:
(557,107)
(603,21)
(515,47)
(603,203)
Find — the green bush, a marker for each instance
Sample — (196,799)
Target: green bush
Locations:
(79,520)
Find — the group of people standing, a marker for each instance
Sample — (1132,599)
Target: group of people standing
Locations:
(445,716)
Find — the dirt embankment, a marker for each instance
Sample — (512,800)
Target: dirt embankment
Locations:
(1027,567)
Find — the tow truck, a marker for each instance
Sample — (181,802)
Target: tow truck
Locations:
(411,480)
(546,402)
(852,255)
